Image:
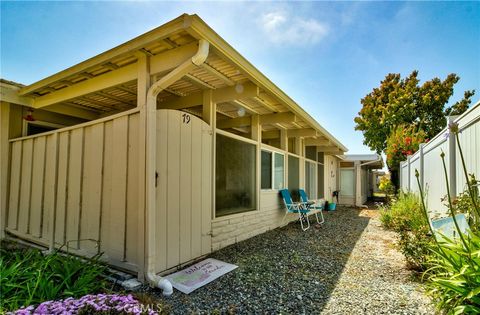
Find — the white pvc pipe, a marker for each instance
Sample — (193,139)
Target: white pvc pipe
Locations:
(151,120)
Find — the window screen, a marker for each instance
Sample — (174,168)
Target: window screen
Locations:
(279,171)
(235,176)
(293,174)
(347,184)
(266,170)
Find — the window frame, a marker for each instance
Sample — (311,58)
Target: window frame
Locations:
(227,134)
(272,151)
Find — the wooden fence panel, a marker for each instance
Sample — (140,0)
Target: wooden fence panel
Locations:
(85,179)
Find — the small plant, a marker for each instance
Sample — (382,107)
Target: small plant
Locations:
(104,304)
(405,216)
(463,204)
(386,187)
(28,277)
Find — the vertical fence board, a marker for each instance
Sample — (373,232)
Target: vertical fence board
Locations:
(196,182)
(50,184)
(62,188)
(132,189)
(15,175)
(36,204)
(173,206)
(185,189)
(107,190)
(74,202)
(161,191)
(25,187)
(119,184)
(206,189)
(92,187)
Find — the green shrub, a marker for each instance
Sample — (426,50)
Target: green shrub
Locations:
(28,277)
(405,216)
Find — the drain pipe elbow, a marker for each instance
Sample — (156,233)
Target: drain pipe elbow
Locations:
(161,283)
(203,48)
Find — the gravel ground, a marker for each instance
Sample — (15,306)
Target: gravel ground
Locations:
(347,266)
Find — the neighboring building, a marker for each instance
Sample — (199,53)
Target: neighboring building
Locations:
(358,178)
(156,152)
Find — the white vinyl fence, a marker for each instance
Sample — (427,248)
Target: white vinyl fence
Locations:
(428,162)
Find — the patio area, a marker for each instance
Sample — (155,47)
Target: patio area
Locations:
(347,266)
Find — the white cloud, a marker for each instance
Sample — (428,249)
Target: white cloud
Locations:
(281,27)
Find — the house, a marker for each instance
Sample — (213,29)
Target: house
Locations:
(358,178)
(156,152)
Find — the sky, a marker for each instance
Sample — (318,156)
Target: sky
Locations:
(325,55)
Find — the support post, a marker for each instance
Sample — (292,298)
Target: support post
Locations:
(4,164)
(209,115)
(409,169)
(421,170)
(283,140)
(452,169)
(400,177)
(358,184)
(256,130)
(143,84)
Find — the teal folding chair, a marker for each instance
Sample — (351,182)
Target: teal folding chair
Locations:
(312,205)
(295,207)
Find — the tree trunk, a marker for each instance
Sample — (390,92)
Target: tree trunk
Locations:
(395,179)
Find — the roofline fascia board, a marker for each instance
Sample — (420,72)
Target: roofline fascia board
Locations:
(131,46)
(198,28)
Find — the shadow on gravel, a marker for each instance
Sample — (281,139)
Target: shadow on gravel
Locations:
(284,270)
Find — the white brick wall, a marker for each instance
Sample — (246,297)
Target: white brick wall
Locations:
(236,228)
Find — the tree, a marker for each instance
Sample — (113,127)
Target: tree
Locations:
(403,102)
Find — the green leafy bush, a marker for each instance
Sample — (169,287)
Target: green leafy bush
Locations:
(405,216)
(28,277)
(403,213)
(453,276)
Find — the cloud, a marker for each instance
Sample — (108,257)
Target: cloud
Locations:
(281,27)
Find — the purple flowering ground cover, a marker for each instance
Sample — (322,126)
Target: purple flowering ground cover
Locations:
(91,304)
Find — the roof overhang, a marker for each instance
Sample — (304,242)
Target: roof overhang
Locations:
(119,65)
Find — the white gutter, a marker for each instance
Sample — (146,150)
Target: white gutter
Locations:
(150,167)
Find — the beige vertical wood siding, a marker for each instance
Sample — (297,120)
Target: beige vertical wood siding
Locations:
(331,172)
(87,177)
(184,159)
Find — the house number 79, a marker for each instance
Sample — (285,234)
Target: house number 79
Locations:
(186,118)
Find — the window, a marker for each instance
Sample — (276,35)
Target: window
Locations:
(321,181)
(273,170)
(310,179)
(293,174)
(279,178)
(235,180)
(347,184)
(266,170)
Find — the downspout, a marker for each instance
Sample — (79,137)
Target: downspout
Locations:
(150,163)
